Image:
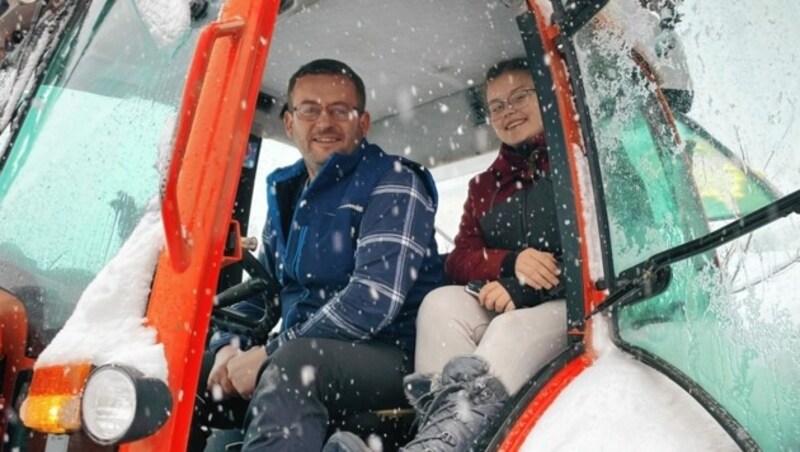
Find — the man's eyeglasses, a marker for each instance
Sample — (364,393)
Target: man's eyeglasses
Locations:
(517,99)
(310,111)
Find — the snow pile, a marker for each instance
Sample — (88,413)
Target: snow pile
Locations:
(167,20)
(619,404)
(113,305)
(108,325)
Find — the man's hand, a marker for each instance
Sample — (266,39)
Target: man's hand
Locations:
(494,297)
(219,383)
(537,269)
(242,370)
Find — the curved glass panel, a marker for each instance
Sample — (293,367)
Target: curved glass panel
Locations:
(730,318)
(85,161)
(735,330)
(650,196)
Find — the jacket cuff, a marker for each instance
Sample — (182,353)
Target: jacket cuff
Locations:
(508,265)
(219,340)
(523,295)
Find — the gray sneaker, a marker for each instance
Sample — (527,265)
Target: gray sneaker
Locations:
(454,413)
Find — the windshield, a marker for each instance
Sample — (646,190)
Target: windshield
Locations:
(729,319)
(85,160)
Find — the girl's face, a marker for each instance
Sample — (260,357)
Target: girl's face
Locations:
(514,108)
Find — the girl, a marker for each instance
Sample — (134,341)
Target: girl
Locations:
(475,350)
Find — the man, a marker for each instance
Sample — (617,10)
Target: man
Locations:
(350,240)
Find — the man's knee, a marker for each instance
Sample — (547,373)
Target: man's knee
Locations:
(293,367)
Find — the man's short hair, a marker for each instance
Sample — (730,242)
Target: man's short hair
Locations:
(330,67)
(505,66)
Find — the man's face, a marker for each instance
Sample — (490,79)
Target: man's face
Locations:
(317,138)
(519,120)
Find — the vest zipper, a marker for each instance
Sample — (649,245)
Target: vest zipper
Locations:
(292,243)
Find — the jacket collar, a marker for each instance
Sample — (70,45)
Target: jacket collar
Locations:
(511,165)
(337,167)
(340,166)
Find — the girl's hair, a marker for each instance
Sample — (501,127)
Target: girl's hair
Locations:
(502,67)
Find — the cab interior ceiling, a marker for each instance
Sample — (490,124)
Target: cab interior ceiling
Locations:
(422,61)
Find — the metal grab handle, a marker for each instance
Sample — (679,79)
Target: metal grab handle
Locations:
(178,244)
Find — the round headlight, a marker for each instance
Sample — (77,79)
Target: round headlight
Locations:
(109,404)
(120,404)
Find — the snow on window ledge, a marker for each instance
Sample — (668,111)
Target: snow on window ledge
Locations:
(108,325)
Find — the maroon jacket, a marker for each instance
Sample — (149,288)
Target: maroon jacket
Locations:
(508,174)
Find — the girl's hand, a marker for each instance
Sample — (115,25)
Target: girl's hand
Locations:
(494,297)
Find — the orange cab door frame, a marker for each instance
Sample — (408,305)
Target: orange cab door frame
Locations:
(567,158)
(210,143)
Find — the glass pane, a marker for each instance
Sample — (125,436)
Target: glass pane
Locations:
(729,189)
(650,197)
(742,57)
(85,161)
(734,328)
(730,319)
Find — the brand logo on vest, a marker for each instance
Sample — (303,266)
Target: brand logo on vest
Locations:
(356,207)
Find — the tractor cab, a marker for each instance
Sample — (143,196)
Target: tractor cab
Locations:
(137,135)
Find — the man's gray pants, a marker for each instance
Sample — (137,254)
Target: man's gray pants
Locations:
(309,382)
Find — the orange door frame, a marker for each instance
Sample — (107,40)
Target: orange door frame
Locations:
(213,127)
(592,296)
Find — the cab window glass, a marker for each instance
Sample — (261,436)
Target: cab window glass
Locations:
(729,188)
(104,106)
(729,319)
(734,329)
(650,197)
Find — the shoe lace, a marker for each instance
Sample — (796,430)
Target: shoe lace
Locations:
(424,406)
(439,397)
(441,402)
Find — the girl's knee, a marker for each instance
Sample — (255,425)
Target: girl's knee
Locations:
(547,319)
(444,302)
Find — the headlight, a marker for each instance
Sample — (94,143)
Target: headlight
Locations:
(119,404)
